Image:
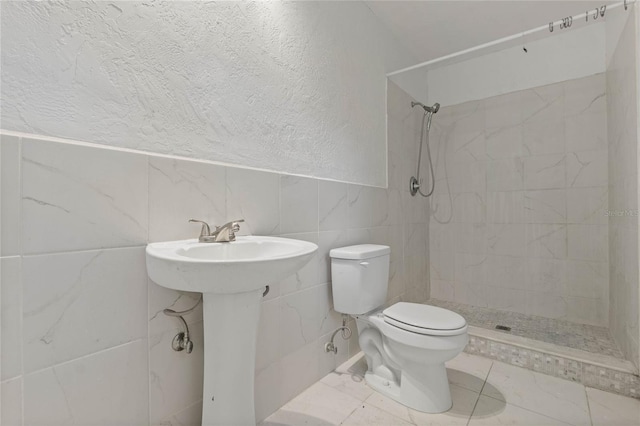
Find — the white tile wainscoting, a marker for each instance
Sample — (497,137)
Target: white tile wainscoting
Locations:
(83,334)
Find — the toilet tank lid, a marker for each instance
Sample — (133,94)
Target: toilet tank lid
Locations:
(361,251)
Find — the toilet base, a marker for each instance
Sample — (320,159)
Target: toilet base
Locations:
(426,390)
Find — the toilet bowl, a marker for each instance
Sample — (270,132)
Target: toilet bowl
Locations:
(405,345)
(416,358)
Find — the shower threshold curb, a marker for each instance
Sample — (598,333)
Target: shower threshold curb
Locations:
(594,370)
(605,361)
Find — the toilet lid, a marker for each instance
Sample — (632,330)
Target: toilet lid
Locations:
(423,318)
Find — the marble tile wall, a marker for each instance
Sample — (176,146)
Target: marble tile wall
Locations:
(84,339)
(622,114)
(523,228)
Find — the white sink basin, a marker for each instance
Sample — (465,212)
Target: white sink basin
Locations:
(249,263)
(232,277)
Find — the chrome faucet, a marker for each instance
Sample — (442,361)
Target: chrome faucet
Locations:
(222,234)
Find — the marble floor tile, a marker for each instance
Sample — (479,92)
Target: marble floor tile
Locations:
(612,410)
(349,378)
(464,402)
(368,415)
(318,405)
(389,405)
(556,398)
(509,396)
(492,412)
(468,371)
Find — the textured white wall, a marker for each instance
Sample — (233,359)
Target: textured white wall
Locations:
(559,57)
(292,87)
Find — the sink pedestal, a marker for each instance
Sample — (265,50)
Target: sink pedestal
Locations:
(232,278)
(230,335)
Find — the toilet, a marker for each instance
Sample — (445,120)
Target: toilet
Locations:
(406,344)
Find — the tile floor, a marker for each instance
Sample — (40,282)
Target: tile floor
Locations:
(585,337)
(484,392)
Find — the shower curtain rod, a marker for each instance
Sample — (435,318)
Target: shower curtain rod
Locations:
(548,27)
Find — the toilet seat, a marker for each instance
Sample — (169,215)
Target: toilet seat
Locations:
(424,319)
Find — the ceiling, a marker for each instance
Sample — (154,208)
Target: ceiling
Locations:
(431,29)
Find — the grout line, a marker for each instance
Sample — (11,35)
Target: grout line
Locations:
(148,321)
(353,411)
(190,405)
(281,295)
(280,204)
(525,408)
(586,395)
(100,352)
(21,239)
(20,194)
(226,194)
(480,393)
(11,257)
(528,409)
(21,331)
(66,252)
(487,377)
(148,176)
(340,390)
(389,412)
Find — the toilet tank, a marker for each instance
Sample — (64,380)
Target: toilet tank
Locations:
(359,277)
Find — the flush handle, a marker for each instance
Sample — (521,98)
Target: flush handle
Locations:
(364,263)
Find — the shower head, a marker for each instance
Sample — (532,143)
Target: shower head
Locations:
(432,109)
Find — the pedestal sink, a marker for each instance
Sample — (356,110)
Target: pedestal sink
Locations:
(232,277)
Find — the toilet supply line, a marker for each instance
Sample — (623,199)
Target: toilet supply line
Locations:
(346,334)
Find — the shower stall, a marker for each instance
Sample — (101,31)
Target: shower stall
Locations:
(531,169)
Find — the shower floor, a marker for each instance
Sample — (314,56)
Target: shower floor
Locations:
(589,338)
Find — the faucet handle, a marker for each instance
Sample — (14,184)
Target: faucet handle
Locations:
(206,230)
(235,224)
(235,227)
(232,227)
(232,224)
